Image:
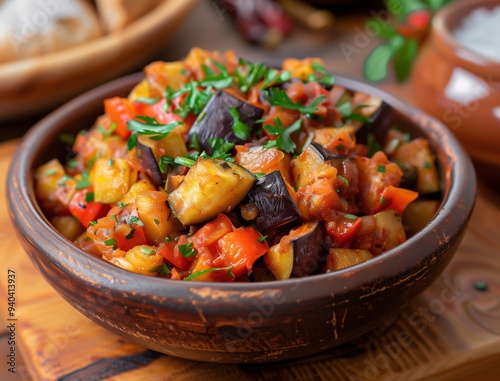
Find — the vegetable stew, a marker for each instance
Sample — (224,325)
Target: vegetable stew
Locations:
(219,169)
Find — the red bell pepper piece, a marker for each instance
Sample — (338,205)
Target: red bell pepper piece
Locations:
(86,211)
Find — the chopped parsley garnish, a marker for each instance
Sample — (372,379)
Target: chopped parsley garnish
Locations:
(110,242)
(108,132)
(149,101)
(427,165)
(157,221)
(132,141)
(275,77)
(63,180)
(278,97)
(382,200)
(253,74)
(201,272)
(350,216)
(262,239)
(187,250)
(161,270)
(93,223)
(222,149)
(194,102)
(321,75)
(240,129)
(72,163)
(187,161)
(89,197)
(345,109)
(381,168)
(134,220)
(51,172)
(346,182)
(84,182)
(284,141)
(147,250)
(149,126)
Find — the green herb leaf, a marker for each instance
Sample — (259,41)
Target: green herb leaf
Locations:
(147,250)
(149,101)
(375,69)
(222,149)
(149,126)
(241,130)
(275,77)
(89,196)
(262,239)
(201,272)
(132,142)
(110,242)
(134,220)
(404,58)
(84,182)
(161,270)
(284,142)
(187,250)
(321,75)
(278,97)
(350,216)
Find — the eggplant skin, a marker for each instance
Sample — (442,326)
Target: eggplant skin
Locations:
(218,121)
(308,249)
(325,154)
(273,200)
(149,163)
(209,188)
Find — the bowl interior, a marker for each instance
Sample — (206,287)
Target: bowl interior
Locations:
(371,291)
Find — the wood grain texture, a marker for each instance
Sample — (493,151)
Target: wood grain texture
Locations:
(451,332)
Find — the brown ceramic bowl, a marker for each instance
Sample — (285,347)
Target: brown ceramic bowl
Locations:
(460,87)
(239,322)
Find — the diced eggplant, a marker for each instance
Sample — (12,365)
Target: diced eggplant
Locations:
(209,188)
(149,163)
(216,120)
(275,203)
(324,153)
(410,176)
(298,254)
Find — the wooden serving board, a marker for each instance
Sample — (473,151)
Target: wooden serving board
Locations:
(451,332)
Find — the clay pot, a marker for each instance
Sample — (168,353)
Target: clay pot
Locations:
(460,87)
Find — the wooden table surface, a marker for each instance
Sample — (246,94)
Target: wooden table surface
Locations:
(451,332)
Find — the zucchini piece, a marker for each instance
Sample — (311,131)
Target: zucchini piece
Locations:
(209,188)
(339,258)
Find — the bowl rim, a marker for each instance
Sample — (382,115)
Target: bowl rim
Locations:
(458,200)
(443,24)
